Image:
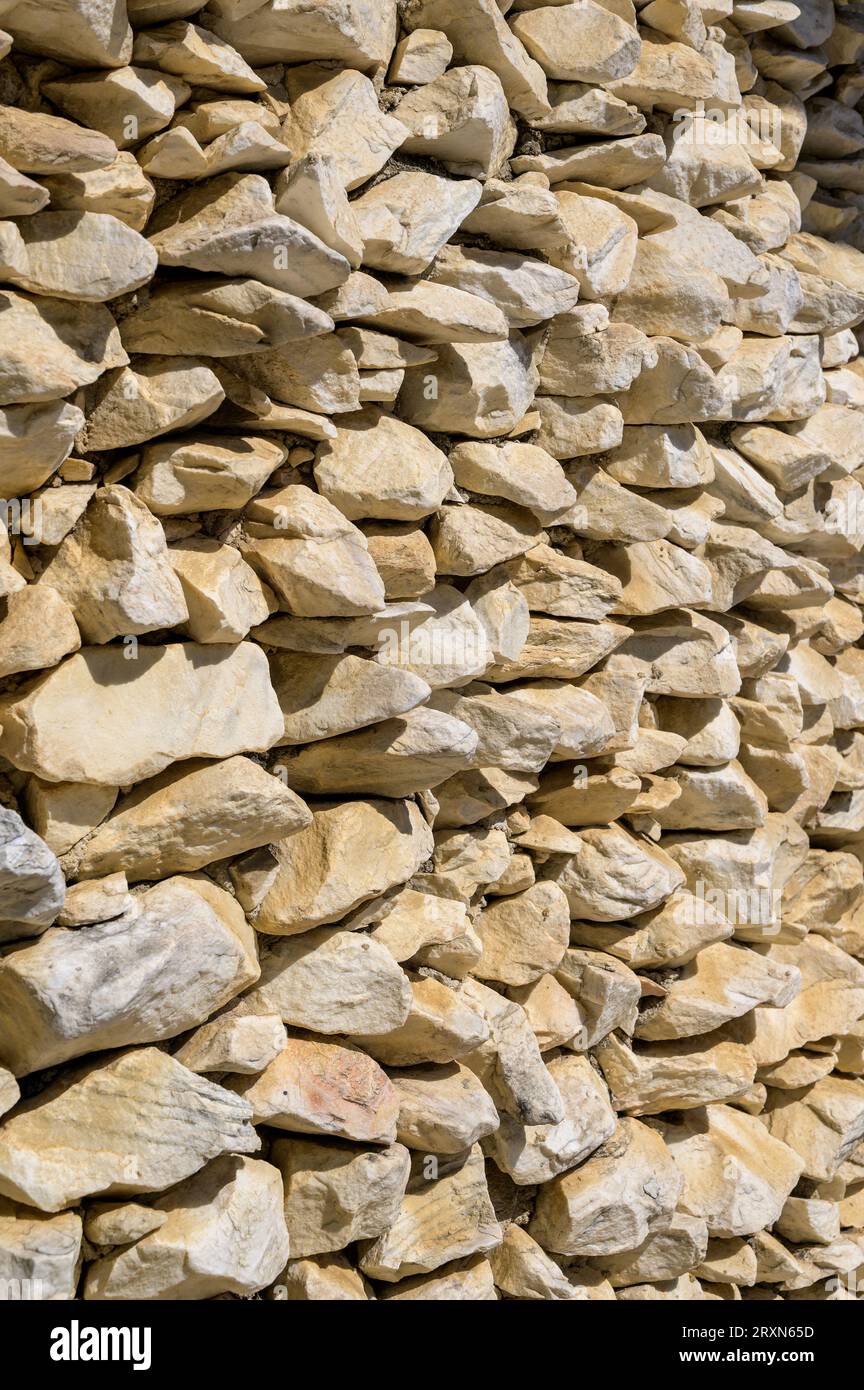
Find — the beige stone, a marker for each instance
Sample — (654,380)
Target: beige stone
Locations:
(113,570)
(580,43)
(438,1221)
(380,467)
(223,1232)
(441,1025)
(336,1195)
(206,955)
(627,1189)
(229,225)
(232,1042)
(442,1109)
(219,317)
(102,900)
(461,119)
(34,143)
(61,1146)
(317,880)
(204,472)
(50,347)
(127,104)
(217,701)
(406,219)
(721,983)
(673,1076)
(341,119)
(736,1176)
(536,1154)
(319,1087)
(189,816)
(41,1251)
(509,1063)
(37,630)
(479,34)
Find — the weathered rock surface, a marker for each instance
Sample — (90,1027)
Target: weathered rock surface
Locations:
(183,949)
(62,1145)
(445,413)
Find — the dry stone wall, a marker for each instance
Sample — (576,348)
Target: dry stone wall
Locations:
(432,705)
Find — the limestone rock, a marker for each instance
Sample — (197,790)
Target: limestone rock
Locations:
(206,954)
(435,313)
(190,816)
(193,53)
(442,1109)
(157,396)
(736,1176)
(322,696)
(50,348)
(317,880)
(113,570)
(381,467)
(524,936)
(673,1076)
(223,595)
(508,1063)
(526,289)
(479,34)
(412,920)
(304,982)
(340,119)
(9,1090)
(120,188)
(40,1249)
(103,900)
(85,256)
(437,1221)
(217,700)
(823,1125)
(614,876)
(61,1145)
(523,1270)
(358,33)
(106,101)
(336,1194)
(34,143)
(721,983)
(37,630)
(460,118)
(520,473)
(232,1042)
(31,884)
(627,1189)
(223,1232)
(406,219)
(420,57)
(580,43)
(483,389)
(413,752)
(318,1087)
(229,225)
(203,472)
(538,1153)
(220,317)
(440,1027)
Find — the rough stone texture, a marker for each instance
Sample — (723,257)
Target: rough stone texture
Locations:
(431,650)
